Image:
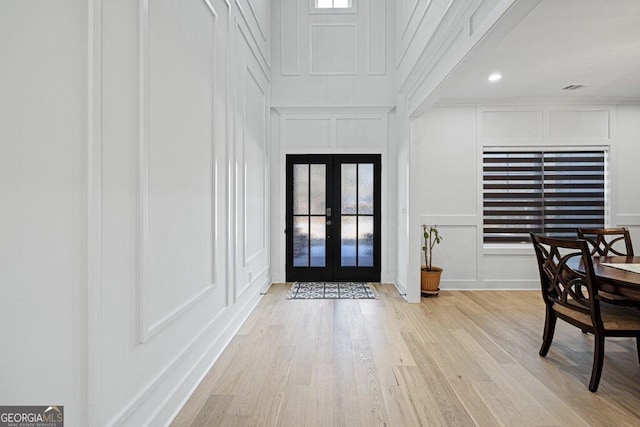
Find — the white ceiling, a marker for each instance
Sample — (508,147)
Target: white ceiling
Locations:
(595,43)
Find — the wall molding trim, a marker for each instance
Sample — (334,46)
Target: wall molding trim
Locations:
(255,18)
(297,39)
(628,220)
(217,346)
(261,57)
(510,102)
(370,45)
(404,52)
(353,72)
(93,329)
(247,258)
(146,329)
(492,285)
(411,15)
(315,110)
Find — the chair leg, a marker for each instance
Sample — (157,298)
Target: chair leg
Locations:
(549,329)
(638,346)
(598,359)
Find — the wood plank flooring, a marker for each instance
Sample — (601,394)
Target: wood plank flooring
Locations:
(461,359)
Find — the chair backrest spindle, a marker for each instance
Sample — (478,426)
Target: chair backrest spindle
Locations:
(607,241)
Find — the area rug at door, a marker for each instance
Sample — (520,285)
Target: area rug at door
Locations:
(331,290)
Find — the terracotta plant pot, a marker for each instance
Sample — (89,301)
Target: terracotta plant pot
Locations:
(430,281)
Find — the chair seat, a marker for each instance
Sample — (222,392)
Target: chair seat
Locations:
(614,317)
(609,296)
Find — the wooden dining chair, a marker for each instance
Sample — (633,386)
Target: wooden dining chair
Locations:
(607,241)
(573,297)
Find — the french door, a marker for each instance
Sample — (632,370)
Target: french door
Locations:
(333,217)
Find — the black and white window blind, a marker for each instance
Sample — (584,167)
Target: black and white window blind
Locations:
(550,192)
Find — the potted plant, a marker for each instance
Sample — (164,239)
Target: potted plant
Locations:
(429,274)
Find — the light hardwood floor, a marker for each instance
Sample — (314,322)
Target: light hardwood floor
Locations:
(463,358)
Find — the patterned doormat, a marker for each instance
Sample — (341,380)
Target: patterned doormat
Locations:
(331,290)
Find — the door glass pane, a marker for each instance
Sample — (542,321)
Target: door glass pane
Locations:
(348,241)
(365,188)
(349,188)
(301,241)
(318,241)
(300,189)
(365,241)
(318,189)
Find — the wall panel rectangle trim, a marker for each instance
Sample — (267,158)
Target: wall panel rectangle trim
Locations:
(295,39)
(374,29)
(628,220)
(247,257)
(146,328)
(313,62)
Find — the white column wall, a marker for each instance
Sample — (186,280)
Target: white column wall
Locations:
(43,237)
(135,188)
(451,143)
(333,90)
(625,171)
(182,209)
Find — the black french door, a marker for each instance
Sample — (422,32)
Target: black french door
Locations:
(333,217)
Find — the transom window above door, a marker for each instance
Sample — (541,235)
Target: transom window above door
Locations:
(333,4)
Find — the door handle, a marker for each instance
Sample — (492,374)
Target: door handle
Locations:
(329,222)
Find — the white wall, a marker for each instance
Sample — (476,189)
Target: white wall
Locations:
(625,172)
(333,91)
(331,131)
(435,41)
(451,143)
(332,57)
(43,237)
(184,196)
(135,188)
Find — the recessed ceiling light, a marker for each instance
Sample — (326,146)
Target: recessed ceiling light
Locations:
(495,77)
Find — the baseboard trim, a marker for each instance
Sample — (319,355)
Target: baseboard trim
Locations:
(134,414)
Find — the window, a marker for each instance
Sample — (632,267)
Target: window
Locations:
(333,4)
(551,192)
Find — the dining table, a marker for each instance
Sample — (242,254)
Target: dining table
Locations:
(613,279)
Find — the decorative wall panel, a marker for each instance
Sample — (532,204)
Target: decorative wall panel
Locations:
(307,133)
(591,124)
(361,132)
(290,37)
(512,124)
(376,39)
(334,49)
(176,160)
(254,167)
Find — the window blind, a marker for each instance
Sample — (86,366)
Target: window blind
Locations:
(550,192)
